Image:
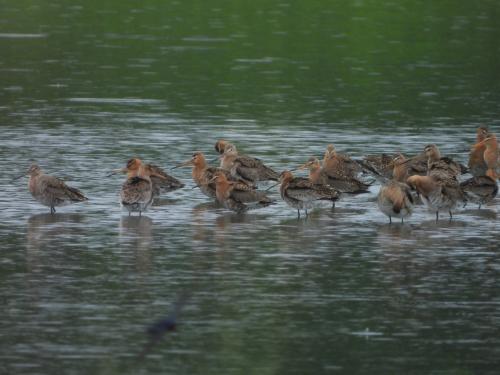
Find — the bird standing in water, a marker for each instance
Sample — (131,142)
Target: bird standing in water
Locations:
(479,189)
(203,174)
(51,191)
(343,183)
(235,195)
(491,156)
(246,168)
(477,164)
(136,194)
(301,193)
(439,189)
(394,198)
(443,169)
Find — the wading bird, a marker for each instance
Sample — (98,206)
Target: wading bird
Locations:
(491,156)
(479,189)
(246,168)
(436,195)
(394,198)
(236,195)
(51,191)
(477,164)
(339,165)
(136,194)
(343,183)
(203,174)
(301,193)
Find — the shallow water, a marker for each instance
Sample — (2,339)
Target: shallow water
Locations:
(86,87)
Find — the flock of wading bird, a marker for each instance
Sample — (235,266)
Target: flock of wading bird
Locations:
(427,177)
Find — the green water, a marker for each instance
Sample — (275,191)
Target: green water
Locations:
(85,86)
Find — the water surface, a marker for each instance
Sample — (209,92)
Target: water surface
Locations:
(84,87)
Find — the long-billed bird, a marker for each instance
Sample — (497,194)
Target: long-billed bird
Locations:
(51,191)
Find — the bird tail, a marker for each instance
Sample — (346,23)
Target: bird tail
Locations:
(76,195)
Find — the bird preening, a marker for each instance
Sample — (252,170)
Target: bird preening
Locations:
(236,183)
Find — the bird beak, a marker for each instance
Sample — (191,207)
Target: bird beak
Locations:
(116,171)
(403,162)
(300,167)
(213,179)
(18,177)
(270,187)
(183,164)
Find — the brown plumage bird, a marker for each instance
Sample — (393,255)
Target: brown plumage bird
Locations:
(220,146)
(414,166)
(443,169)
(343,183)
(437,194)
(479,189)
(301,193)
(203,174)
(477,164)
(136,194)
(439,189)
(236,195)
(339,165)
(491,156)
(51,191)
(246,168)
(395,200)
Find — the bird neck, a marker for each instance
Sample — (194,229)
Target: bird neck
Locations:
(314,173)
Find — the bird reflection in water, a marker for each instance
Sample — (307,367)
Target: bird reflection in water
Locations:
(201,229)
(44,229)
(157,330)
(136,232)
(46,238)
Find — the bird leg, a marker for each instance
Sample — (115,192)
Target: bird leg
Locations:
(52,210)
(390,220)
(451,216)
(437,216)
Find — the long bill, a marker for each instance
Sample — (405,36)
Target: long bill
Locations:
(276,184)
(18,177)
(116,171)
(183,164)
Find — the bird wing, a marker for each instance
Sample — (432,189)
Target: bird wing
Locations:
(249,162)
(136,190)
(300,188)
(58,189)
(165,180)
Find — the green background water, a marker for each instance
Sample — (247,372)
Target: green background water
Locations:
(85,86)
